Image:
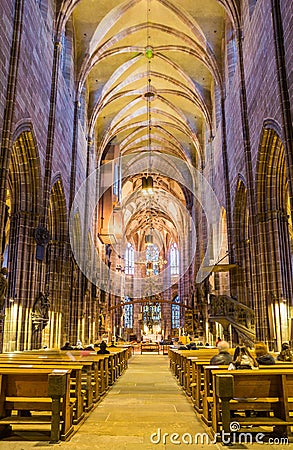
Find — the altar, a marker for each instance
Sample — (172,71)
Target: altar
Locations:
(150,347)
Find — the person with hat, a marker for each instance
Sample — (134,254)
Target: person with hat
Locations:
(286,353)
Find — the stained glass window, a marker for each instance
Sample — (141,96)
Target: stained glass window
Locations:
(176,313)
(152,258)
(128,313)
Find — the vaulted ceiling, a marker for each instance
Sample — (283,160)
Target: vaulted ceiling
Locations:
(150,68)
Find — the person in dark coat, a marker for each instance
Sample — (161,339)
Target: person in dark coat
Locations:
(103,349)
(67,346)
(191,346)
(262,355)
(90,347)
(223,357)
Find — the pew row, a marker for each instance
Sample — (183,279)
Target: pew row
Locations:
(36,391)
(196,376)
(208,389)
(90,375)
(269,394)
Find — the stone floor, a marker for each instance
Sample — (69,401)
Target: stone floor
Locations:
(144,405)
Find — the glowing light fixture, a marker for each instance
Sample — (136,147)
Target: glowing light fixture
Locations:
(147,184)
(149,239)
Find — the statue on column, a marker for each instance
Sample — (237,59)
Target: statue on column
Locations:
(40,312)
(3,286)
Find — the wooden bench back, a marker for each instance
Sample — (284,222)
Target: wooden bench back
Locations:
(260,383)
(26,385)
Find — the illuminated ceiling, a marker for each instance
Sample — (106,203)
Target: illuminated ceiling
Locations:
(173,49)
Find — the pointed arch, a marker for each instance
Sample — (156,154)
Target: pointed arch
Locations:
(25,171)
(25,201)
(57,220)
(275,245)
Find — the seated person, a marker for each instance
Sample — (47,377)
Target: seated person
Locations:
(67,346)
(181,346)
(286,353)
(218,340)
(223,357)
(103,349)
(191,346)
(78,346)
(262,354)
(90,347)
(243,359)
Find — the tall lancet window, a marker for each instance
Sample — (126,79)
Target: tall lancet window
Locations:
(174,259)
(128,313)
(129,259)
(152,259)
(176,313)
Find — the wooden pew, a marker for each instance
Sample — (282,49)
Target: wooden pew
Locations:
(197,384)
(76,394)
(99,371)
(41,390)
(114,365)
(124,354)
(208,389)
(90,377)
(270,393)
(182,363)
(107,367)
(207,392)
(100,374)
(178,358)
(58,359)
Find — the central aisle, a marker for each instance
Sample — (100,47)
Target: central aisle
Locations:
(145,399)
